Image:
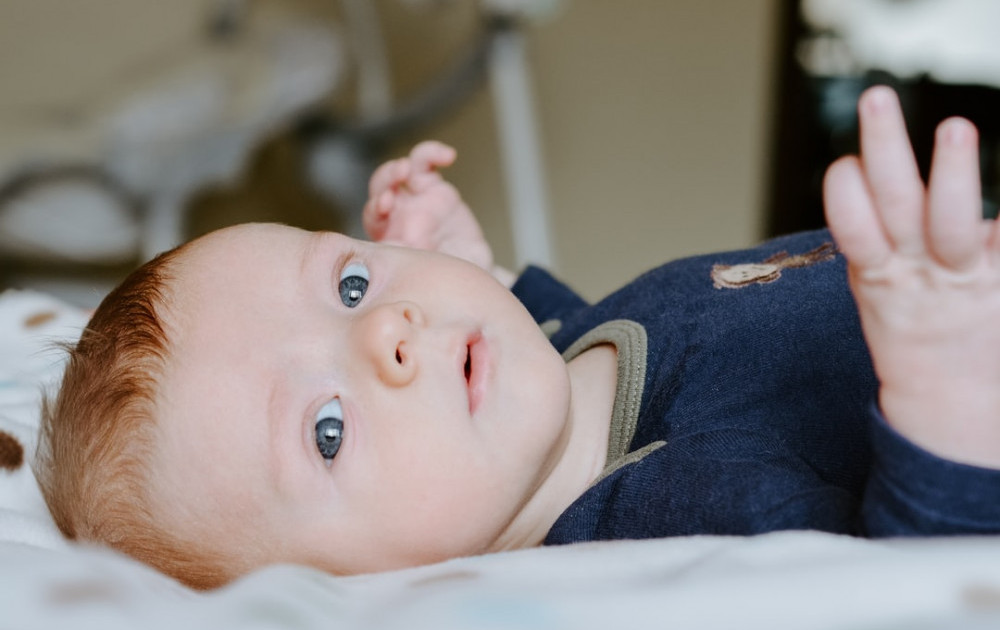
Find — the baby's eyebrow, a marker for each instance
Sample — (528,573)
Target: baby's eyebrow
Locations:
(312,242)
(278,421)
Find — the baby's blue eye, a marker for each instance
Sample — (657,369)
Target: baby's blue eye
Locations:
(353,284)
(329,429)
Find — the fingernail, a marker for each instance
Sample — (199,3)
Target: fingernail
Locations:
(879,99)
(954,131)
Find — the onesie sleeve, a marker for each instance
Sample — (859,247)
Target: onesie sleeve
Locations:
(912,492)
(545,297)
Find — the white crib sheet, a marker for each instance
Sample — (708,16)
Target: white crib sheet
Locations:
(785,580)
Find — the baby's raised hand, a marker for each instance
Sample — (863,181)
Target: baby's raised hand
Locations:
(410,204)
(924,268)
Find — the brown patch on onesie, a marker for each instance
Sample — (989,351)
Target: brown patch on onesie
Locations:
(11,452)
(769,270)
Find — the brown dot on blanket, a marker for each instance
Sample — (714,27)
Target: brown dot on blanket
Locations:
(36,320)
(981,596)
(450,576)
(11,452)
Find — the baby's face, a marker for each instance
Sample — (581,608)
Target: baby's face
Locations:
(348,405)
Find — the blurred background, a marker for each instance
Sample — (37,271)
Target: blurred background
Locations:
(596,137)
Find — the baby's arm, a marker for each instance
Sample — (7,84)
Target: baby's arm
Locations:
(410,204)
(924,268)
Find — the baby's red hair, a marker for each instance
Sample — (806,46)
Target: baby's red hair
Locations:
(98,431)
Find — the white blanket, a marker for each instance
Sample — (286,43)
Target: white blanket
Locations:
(792,580)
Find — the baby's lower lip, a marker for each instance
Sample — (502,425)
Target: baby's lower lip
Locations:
(476,384)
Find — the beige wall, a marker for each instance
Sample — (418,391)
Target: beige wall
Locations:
(655,126)
(653,115)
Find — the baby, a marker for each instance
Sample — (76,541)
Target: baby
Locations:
(265,394)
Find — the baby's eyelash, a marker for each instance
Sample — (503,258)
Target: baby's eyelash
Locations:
(347,257)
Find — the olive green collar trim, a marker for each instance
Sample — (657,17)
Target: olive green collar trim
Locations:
(629,338)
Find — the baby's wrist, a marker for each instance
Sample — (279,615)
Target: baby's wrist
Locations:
(956,421)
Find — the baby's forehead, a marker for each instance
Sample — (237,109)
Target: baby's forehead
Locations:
(236,253)
(230,292)
(243,238)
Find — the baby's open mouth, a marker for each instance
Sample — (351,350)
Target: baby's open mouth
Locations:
(468,362)
(476,370)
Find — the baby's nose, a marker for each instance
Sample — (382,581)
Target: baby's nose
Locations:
(388,337)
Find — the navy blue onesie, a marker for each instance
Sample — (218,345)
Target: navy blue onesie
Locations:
(745,405)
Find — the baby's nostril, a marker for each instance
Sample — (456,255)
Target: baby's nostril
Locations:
(399,357)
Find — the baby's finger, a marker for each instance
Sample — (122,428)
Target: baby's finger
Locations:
(389,175)
(375,216)
(431,154)
(891,170)
(373,226)
(954,234)
(851,215)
